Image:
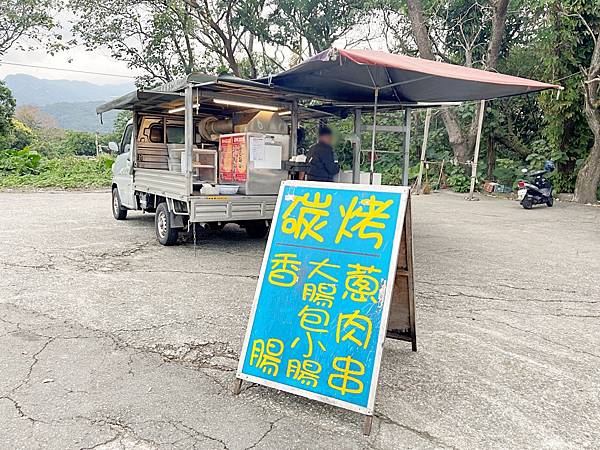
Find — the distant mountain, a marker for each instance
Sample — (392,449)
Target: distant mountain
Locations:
(29,90)
(80,116)
(71,103)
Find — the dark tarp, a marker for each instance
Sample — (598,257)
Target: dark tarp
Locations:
(352,76)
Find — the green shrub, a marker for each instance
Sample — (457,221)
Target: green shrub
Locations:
(456,179)
(508,171)
(19,162)
(80,143)
(69,172)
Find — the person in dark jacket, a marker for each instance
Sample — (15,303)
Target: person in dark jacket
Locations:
(321,159)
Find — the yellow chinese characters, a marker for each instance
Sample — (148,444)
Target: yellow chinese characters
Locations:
(284,269)
(306,372)
(369,219)
(310,218)
(360,284)
(345,379)
(351,325)
(267,357)
(323,293)
(312,320)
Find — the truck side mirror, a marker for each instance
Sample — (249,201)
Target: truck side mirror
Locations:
(113,147)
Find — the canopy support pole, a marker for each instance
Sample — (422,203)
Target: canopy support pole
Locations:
(407,115)
(189,135)
(372,166)
(294,130)
(476,155)
(423,150)
(356,147)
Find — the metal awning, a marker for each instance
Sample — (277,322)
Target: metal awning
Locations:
(170,95)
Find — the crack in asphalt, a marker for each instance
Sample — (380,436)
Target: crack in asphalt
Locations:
(196,272)
(425,294)
(503,299)
(35,358)
(123,431)
(425,435)
(193,433)
(20,411)
(478,286)
(266,433)
(482,317)
(168,353)
(560,344)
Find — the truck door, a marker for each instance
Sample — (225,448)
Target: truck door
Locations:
(123,169)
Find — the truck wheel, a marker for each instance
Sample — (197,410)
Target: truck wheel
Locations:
(216,226)
(527,203)
(256,229)
(119,212)
(165,233)
(550,202)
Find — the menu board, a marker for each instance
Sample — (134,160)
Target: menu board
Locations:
(226,158)
(240,158)
(233,158)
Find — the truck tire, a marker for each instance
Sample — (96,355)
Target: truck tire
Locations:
(256,229)
(165,233)
(119,212)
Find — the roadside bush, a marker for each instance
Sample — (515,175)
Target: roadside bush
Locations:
(456,178)
(79,143)
(17,137)
(19,162)
(69,172)
(507,171)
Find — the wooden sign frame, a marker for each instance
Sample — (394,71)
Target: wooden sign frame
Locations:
(401,318)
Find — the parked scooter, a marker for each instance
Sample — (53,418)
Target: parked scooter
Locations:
(537,189)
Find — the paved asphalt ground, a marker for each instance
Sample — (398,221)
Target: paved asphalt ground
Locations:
(110,341)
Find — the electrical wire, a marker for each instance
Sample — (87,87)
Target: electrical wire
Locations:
(9,63)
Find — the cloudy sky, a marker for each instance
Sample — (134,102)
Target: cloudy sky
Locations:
(75,59)
(69,62)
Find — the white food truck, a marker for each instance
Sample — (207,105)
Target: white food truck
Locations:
(203,149)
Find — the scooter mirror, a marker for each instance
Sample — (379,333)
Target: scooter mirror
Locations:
(524,170)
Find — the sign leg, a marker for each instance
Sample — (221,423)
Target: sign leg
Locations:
(367,424)
(237,386)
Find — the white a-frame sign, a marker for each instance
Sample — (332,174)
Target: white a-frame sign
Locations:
(335,281)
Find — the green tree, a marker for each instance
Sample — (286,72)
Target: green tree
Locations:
(169,38)
(19,137)
(24,23)
(307,27)
(475,34)
(566,52)
(7,111)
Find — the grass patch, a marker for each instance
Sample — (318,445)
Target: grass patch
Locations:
(69,172)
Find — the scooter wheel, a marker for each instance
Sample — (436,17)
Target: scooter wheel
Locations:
(527,203)
(550,202)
